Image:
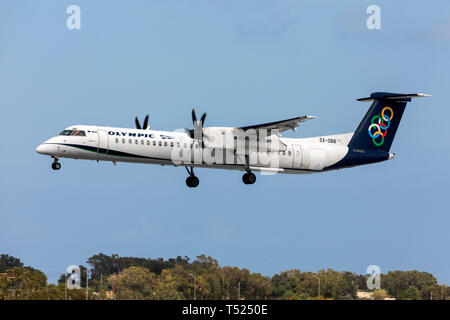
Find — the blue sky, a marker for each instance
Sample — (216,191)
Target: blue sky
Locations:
(243,62)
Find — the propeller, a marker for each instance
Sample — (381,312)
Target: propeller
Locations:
(196,133)
(145,124)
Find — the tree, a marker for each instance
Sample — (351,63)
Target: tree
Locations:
(259,287)
(287,285)
(204,264)
(9,262)
(396,282)
(309,281)
(412,293)
(435,292)
(166,286)
(184,283)
(335,285)
(133,283)
(23,283)
(235,283)
(104,265)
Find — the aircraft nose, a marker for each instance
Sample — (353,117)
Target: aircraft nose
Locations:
(43,149)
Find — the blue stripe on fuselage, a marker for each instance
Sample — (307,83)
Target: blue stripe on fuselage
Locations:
(357,157)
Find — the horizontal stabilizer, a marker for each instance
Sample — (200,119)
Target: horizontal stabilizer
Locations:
(393,96)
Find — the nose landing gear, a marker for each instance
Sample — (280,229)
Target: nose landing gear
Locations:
(56,165)
(192,181)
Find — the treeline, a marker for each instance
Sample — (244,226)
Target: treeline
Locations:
(114,277)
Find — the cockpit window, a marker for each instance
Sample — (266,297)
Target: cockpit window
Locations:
(79,133)
(66,132)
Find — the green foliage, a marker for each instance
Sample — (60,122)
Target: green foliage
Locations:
(436,292)
(288,285)
(22,283)
(412,293)
(166,286)
(114,277)
(397,283)
(134,283)
(103,265)
(8,262)
(294,284)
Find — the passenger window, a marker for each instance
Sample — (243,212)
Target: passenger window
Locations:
(130,141)
(171,144)
(165,144)
(178,144)
(289,153)
(135,141)
(160,143)
(142,142)
(148,142)
(284,153)
(123,140)
(154,143)
(117,140)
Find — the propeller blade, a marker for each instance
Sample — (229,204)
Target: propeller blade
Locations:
(202,119)
(194,117)
(145,125)
(138,125)
(196,133)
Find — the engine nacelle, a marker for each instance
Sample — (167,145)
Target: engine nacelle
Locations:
(219,137)
(242,142)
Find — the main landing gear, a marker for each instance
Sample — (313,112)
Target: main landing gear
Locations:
(249,178)
(192,181)
(56,165)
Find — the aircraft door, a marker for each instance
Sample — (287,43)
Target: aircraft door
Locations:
(103,142)
(298,156)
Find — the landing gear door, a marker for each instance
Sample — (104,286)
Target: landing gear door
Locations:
(103,143)
(298,156)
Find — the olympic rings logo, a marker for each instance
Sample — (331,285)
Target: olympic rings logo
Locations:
(379,125)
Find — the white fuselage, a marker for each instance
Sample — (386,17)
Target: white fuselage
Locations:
(179,149)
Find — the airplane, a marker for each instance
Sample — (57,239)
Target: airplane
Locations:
(256,148)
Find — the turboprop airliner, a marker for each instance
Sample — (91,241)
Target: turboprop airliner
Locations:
(256,148)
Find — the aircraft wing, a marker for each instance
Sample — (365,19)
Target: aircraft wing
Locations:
(282,125)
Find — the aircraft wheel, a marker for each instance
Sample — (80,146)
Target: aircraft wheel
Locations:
(192,181)
(56,165)
(249,178)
